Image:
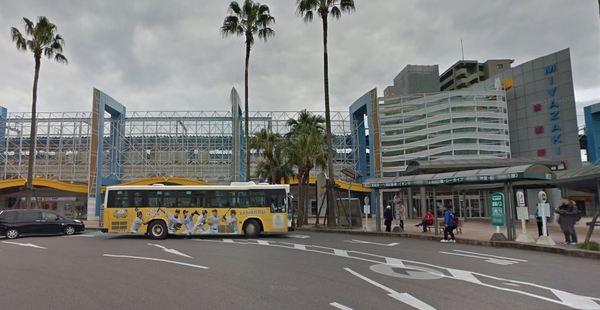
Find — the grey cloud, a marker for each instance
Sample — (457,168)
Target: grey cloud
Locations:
(156,55)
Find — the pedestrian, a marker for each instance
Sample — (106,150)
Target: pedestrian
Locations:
(568,216)
(427,221)
(450,224)
(540,222)
(388,216)
(401,215)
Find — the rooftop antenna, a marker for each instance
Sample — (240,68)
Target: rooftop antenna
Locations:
(462,51)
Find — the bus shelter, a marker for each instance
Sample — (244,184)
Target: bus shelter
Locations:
(421,192)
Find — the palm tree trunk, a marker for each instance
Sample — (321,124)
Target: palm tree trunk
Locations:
(31,162)
(246,115)
(301,198)
(331,179)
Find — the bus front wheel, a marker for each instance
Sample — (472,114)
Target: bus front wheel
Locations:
(157,230)
(252,229)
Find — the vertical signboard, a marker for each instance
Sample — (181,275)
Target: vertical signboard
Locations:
(497,208)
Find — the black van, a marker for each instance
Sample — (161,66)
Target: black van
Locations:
(15,223)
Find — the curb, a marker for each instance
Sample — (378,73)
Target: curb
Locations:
(499,244)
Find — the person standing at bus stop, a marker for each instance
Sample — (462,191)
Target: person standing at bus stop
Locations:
(388,216)
(449,221)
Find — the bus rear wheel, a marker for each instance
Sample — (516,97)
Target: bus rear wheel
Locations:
(157,230)
(251,229)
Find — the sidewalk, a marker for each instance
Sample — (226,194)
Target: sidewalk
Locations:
(478,232)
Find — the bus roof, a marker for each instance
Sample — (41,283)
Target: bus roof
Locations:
(236,186)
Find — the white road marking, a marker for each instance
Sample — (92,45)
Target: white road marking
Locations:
(83,235)
(31,245)
(340,252)
(394,262)
(570,300)
(228,240)
(156,260)
(299,236)
(339,306)
(492,260)
(172,251)
(262,242)
(369,242)
(402,297)
(495,256)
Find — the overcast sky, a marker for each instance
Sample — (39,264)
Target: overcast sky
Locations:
(170,55)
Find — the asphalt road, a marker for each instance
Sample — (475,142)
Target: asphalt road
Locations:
(297,271)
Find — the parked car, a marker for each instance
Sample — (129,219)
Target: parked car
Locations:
(15,223)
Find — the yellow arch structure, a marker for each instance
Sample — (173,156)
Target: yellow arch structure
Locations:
(82,188)
(39,182)
(355,187)
(173,180)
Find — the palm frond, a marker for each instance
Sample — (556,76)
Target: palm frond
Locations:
(347,6)
(232,26)
(29,26)
(61,58)
(18,38)
(266,33)
(234,8)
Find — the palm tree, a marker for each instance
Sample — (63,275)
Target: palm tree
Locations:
(308,149)
(248,20)
(42,40)
(324,8)
(276,165)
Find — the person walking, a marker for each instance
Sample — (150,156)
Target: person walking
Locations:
(427,221)
(568,216)
(388,216)
(450,224)
(401,215)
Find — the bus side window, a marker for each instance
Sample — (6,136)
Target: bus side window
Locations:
(186,199)
(256,198)
(276,200)
(242,199)
(170,199)
(155,199)
(138,199)
(201,198)
(118,199)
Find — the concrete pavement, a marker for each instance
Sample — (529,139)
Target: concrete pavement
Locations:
(297,271)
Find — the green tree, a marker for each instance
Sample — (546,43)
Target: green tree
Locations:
(248,20)
(325,8)
(275,165)
(308,149)
(42,40)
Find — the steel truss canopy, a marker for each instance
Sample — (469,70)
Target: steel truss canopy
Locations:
(503,174)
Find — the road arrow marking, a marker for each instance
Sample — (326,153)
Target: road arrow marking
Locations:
(375,243)
(156,260)
(402,297)
(172,251)
(339,306)
(492,260)
(299,236)
(31,245)
(495,256)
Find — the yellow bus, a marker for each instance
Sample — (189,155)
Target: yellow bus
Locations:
(160,210)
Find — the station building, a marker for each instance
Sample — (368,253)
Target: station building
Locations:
(505,129)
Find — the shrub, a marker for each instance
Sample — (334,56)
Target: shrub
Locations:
(594,246)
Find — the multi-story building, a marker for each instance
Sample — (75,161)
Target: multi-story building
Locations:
(541,108)
(462,124)
(465,73)
(592,132)
(415,79)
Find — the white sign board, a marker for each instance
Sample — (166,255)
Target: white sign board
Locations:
(367,209)
(522,213)
(520,199)
(544,209)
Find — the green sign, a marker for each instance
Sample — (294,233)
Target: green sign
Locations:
(497,208)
